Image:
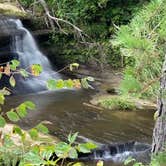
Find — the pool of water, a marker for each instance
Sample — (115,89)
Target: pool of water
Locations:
(66,113)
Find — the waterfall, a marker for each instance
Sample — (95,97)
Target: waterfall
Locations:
(24,46)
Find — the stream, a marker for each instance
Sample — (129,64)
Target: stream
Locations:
(66,112)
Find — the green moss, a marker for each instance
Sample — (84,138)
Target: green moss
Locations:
(118,103)
(11,10)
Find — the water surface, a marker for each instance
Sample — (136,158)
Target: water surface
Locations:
(67,113)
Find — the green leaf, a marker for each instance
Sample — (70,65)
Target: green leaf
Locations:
(14,64)
(83,148)
(13,116)
(17,130)
(42,128)
(12,81)
(33,159)
(73,153)
(33,133)
(51,84)
(36,69)
(24,73)
(21,111)
(59,84)
(62,149)
(86,147)
(2,121)
(68,83)
(90,79)
(84,83)
(72,138)
(73,65)
(2,98)
(30,105)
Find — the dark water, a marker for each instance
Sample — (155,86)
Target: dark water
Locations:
(66,112)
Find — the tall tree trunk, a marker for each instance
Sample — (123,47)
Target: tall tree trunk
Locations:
(159,132)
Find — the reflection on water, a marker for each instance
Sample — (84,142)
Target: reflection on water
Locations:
(66,112)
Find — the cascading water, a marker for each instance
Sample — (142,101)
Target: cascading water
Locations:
(23,45)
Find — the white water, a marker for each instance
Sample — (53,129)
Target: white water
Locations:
(25,46)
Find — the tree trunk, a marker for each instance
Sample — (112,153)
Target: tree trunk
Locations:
(159,132)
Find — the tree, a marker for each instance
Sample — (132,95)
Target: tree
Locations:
(159,132)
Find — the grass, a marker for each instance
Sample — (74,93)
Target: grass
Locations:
(118,103)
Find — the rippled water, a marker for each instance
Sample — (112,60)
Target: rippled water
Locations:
(66,112)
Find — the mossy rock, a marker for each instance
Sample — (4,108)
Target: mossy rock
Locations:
(11,10)
(118,102)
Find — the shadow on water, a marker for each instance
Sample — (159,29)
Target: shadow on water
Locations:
(66,112)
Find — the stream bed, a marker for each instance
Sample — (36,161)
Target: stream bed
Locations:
(67,113)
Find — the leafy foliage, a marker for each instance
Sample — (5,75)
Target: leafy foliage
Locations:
(97,19)
(42,152)
(142,46)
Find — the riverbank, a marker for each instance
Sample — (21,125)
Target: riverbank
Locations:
(106,85)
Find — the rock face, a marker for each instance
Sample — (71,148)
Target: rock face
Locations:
(7,31)
(11,10)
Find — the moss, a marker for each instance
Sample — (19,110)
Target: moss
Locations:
(118,103)
(11,10)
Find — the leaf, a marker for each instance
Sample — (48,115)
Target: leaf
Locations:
(21,111)
(90,79)
(62,149)
(77,83)
(30,105)
(86,147)
(73,65)
(51,84)
(36,69)
(14,64)
(2,121)
(83,148)
(12,81)
(59,84)
(7,69)
(13,116)
(68,83)
(72,138)
(33,159)
(73,153)
(84,83)
(24,73)
(17,130)
(33,133)
(2,98)
(42,128)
